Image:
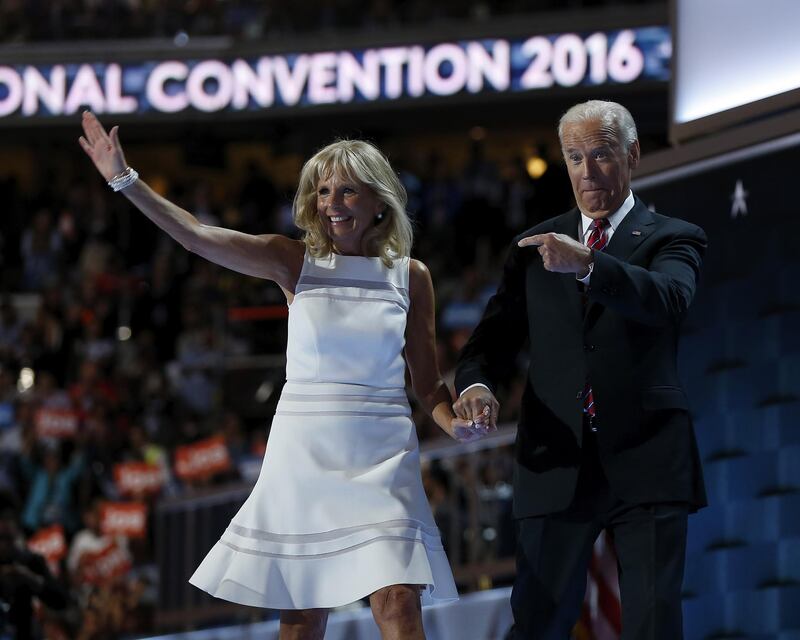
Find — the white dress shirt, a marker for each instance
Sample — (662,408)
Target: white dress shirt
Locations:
(614,220)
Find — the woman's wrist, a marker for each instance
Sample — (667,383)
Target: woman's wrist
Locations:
(124,179)
(443,416)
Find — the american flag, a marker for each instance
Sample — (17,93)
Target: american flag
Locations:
(601,618)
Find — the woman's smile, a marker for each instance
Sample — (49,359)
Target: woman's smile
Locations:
(348,207)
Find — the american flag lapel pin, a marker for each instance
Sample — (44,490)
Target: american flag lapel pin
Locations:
(636,233)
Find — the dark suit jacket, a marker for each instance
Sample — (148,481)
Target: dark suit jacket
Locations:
(625,343)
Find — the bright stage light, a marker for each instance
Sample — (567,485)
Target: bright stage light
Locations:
(536,167)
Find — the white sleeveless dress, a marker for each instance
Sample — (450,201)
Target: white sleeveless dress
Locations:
(338,510)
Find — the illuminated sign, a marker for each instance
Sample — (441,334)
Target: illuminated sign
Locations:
(735,60)
(337,77)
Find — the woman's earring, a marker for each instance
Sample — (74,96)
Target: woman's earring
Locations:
(380,216)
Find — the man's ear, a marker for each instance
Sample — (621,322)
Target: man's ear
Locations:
(634,154)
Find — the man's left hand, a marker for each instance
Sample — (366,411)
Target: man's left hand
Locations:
(560,253)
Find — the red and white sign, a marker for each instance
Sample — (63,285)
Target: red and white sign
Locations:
(56,423)
(51,544)
(128,519)
(203,459)
(138,478)
(105,565)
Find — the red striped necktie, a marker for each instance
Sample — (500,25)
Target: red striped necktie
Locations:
(598,238)
(597,241)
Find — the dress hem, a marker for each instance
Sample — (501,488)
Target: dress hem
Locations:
(326,582)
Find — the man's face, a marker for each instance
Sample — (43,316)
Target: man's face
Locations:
(599,166)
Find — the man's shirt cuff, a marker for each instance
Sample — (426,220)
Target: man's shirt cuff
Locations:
(477,384)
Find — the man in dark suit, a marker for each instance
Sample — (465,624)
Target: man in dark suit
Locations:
(605,440)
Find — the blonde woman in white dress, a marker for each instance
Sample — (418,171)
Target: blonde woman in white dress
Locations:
(338,512)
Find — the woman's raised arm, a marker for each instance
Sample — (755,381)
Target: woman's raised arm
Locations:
(270,256)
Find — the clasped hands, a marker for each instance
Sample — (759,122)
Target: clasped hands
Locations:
(560,253)
(476,414)
(477,408)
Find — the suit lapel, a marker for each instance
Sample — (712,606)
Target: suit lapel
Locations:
(632,231)
(635,227)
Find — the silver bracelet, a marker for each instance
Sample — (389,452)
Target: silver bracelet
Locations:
(124,179)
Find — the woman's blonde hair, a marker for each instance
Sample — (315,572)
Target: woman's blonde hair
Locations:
(361,161)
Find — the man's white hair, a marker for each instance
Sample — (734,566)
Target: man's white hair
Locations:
(610,114)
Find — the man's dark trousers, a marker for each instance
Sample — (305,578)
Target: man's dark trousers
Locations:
(650,543)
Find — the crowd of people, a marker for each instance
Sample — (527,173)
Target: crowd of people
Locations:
(115,345)
(245,19)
